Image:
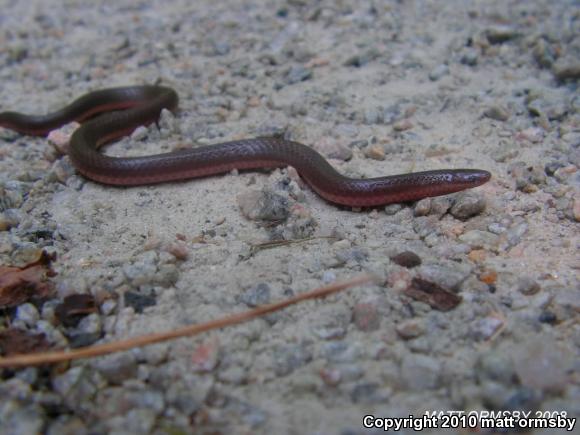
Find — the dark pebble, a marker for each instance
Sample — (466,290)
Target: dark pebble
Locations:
(139,301)
(406,259)
(548,317)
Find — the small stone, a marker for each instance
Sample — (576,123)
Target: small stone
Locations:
(468,204)
(406,259)
(410,329)
(375,152)
(206,356)
(67,425)
(373,116)
(263,205)
(365,317)
(333,149)
(497,112)
(403,125)
(331,376)
(567,69)
(420,372)
(28,314)
(500,34)
(513,235)
(422,207)
(289,357)
(484,329)
(369,393)
(234,375)
(139,301)
(548,317)
(470,57)
(438,72)
(117,367)
(540,363)
(447,277)
(495,365)
(531,134)
(63,170)
(18,417)
(392,209)
(552,108)
(178,250)
(478,239)
(544,53)
(298,74)
(528,286)
(60,138)
(576,208)
(140,133)
(256,296)
(75,387)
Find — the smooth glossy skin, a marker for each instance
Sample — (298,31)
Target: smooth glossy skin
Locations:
(122,110)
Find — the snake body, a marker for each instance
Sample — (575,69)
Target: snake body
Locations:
(109,114)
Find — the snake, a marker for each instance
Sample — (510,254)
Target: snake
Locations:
(107,115)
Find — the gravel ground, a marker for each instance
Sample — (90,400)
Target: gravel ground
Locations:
(378,87)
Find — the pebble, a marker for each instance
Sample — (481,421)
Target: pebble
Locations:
(233,375)
(531,134)
(256,296)
(369,393)
(448,277)
(528,286)
(62,170)
(576,207)
(567,303)
(544,53)
(375,152)
(541,364)
(392,209)
(206,356)
(420,372)
(263,205)
(366,317)
(28,314)
(17,418)
(567,69)
(67,425)
(406,259)
(496,365)
(552,108)
(485,328)
(515,233)
(479,239)
(373,116)
(422,207)
(333,149)
(289,357)
(76,387)
(497,112)
(117,367)
(409,329)
(139,301)
(441,205)
(500,33)
(469,57)
(438,72)
(90,324)
(298,74)
(468,204)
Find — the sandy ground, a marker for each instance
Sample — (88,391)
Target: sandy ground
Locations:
(380,88)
